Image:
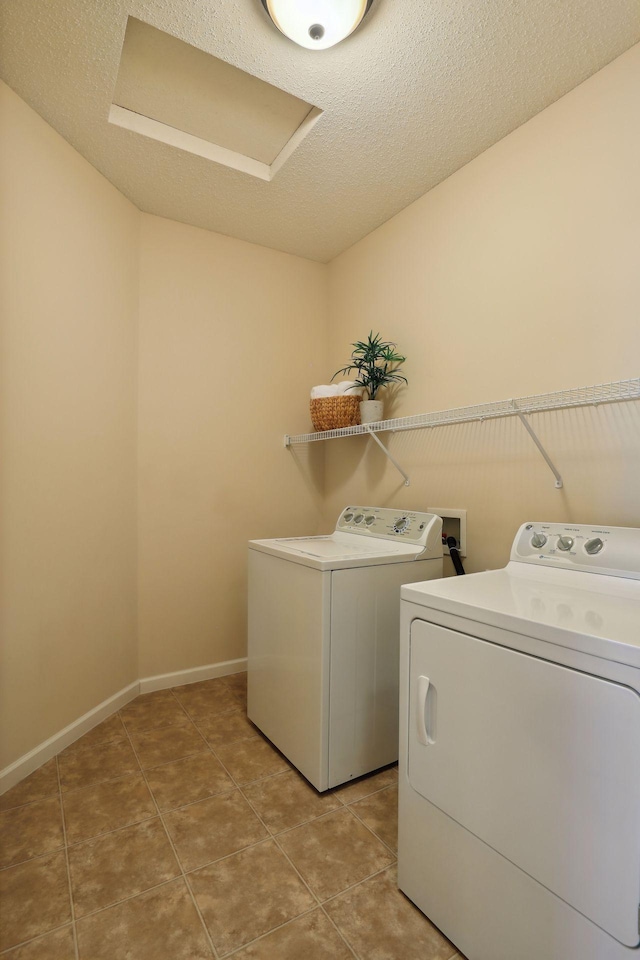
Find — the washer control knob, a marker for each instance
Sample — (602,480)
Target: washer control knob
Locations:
(348,517)
(359,518)
(593,546)
(565,543)
(369,520)
(401,525)
(538,540)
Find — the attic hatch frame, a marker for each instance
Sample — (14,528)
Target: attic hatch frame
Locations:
(614,392)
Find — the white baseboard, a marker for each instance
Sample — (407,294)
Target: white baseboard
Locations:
(211,670)
(26,764)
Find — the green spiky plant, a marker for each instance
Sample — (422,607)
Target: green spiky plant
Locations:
(377,363)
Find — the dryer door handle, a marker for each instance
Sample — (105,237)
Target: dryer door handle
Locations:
(425,711)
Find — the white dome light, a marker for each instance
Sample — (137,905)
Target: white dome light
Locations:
(316,24)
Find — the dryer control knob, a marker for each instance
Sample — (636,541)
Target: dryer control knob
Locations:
(593,546)
(565,543)
(538,540)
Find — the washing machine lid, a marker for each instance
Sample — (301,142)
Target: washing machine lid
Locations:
(338,550)
(591,613)
(364,536)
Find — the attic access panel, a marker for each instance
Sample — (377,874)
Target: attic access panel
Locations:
(180,95)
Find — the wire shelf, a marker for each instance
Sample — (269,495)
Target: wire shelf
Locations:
(616,392)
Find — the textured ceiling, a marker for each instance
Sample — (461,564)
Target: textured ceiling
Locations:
(418,91)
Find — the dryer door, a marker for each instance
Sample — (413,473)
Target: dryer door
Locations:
(539,761)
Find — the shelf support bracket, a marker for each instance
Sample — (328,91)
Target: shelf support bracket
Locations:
(525,423)
(388,455)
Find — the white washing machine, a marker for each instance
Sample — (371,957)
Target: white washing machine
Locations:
(519,794)
(324,638)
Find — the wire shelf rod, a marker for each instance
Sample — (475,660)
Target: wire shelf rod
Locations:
(615,392)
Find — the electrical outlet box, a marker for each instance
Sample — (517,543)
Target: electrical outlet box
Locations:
(454,524)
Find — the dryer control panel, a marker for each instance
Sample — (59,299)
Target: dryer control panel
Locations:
(611,551)
(386,523)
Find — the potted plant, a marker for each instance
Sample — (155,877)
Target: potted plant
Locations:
(378,364)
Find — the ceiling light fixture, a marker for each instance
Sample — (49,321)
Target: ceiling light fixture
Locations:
(317,24)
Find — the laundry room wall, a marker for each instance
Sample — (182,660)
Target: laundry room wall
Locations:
(232,336)
(518,275)
(151,369)
(68,307)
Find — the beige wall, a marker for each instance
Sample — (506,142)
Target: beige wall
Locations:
(68,302)
(517,275)
(232,335)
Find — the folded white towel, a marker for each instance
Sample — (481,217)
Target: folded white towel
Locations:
(345,387)
(350,388)
(325,390)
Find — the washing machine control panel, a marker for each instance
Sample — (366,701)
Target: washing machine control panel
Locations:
(409,526)
(612,551)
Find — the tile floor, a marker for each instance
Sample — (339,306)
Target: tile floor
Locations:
(175,831)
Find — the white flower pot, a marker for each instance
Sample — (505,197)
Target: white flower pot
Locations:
(371,411)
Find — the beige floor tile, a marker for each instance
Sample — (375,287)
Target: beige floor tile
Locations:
(287,800)
(34,898)
(248,894)
(119,865)
(81,766)
(249,760)
(227,728)
(102,807)
(131,902)
(53,946)
(311,937)
(153,710)
(106,732)
(30,831)
(380,923)
(365,786)
(380,813)
(185,781)
(242,701)
(166,744)
(213,828)
(237,682)
(206,699)
(139,704)
(37,786)
(161,924)
(334,852)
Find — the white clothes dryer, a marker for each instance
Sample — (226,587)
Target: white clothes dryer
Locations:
(324,640)
(519,779)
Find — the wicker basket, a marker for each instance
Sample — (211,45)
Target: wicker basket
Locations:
(330,413)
